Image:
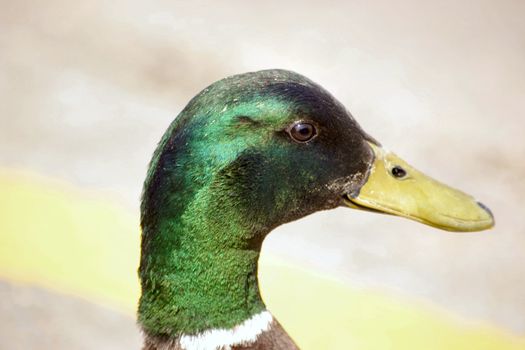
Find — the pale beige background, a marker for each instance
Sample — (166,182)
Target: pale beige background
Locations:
(87,89)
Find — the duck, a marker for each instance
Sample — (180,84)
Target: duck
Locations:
(248,153)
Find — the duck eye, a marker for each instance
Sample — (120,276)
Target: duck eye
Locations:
(398,172)
(302,132)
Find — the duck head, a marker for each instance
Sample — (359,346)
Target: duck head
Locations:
(274,146)
(249,153)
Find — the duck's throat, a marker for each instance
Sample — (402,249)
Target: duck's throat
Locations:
(198,270)
(194,291)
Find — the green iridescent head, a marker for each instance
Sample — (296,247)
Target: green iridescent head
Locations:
(232,149)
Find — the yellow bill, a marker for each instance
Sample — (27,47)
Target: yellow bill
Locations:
(394,187)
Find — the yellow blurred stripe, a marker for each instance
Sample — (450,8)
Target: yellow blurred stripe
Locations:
(68,240)
(323,313)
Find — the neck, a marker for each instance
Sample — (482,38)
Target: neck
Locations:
(195,274)
(195,290)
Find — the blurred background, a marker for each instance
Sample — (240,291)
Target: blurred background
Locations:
(88,88)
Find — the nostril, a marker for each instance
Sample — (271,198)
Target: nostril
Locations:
(398,172)
(484,207)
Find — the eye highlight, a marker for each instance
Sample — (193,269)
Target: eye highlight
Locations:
(302,131)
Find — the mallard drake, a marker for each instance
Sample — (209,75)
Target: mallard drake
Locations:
(247,154)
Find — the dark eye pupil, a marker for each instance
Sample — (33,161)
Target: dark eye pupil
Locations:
(397,171)
(302,132)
